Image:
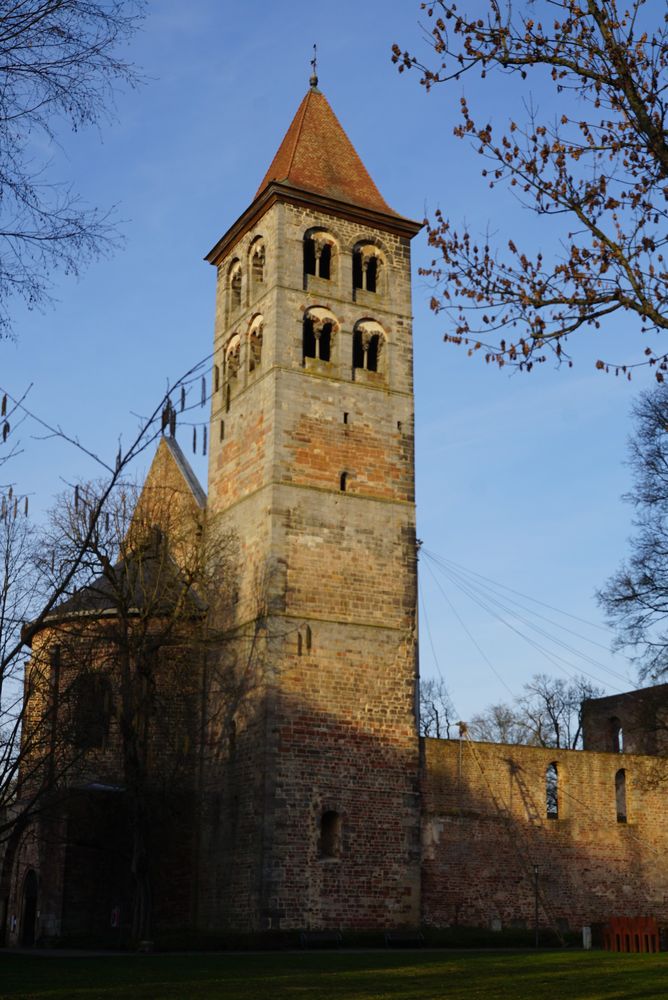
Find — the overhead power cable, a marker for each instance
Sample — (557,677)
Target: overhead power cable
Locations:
(482,653)
(492,603)
(502,586)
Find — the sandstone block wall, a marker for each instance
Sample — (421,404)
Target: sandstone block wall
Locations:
(328,576)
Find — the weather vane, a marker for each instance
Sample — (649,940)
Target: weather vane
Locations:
(314,64)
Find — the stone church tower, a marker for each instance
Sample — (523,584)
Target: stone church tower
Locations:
(316,815)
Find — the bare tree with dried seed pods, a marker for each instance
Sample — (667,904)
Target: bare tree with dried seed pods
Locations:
(601,167)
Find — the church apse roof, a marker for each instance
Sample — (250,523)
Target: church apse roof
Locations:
(316,155)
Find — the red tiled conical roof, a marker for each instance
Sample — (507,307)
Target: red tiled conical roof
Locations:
(316,155)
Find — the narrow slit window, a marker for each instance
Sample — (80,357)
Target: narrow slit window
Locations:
(620,795)
(228,396)
(222,430)
(309,637)
(216,378)
(345,418)
(343,482)
(552,791)
(299,644)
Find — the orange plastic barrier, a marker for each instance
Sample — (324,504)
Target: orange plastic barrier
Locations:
(639,934)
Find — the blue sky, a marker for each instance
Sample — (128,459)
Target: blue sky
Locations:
(518,477)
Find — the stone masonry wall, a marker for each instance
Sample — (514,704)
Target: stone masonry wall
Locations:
(484,826)
(636,721)
(330,727)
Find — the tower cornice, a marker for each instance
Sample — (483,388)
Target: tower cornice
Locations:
(280,191)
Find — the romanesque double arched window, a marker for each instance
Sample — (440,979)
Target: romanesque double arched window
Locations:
(234,281)
(368,345)
(319,254)
(256,265)
(319,329)
(368,268)
(255,334)
(233,357)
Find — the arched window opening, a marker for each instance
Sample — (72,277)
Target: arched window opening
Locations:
(367,265)
(257,262)
(233,357)
(620,795)
(552,791)
(255,344)
(318,255)
(343,482)
(318,334)
(330,834)
(235,285)
(91,711)
(368,341)
(616,735)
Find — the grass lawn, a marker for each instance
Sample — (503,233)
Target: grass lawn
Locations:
(415,975)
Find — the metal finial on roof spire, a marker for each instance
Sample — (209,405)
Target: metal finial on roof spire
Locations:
(314,64)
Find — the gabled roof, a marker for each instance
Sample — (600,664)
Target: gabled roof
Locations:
(148,580)
(183,465)
(316,155)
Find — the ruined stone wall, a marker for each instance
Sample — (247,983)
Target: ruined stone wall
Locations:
(635,722)
(485,826)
